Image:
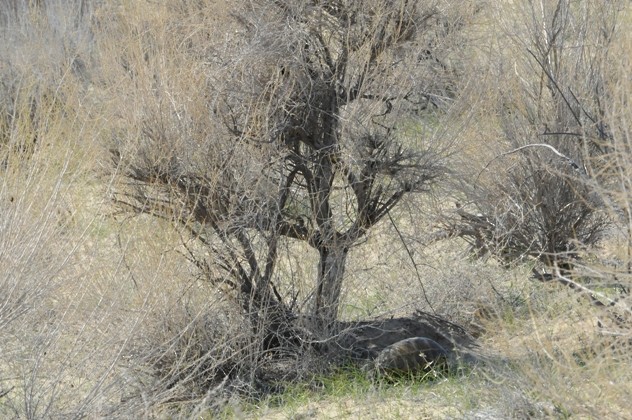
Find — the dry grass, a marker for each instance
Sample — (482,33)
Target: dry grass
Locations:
(101,315)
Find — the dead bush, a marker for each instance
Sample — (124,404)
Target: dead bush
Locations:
(536,199)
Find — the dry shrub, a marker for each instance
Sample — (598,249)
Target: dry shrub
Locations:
(53,360)
(553,353)
(38,129)
(196,353)
(569,354)
(38,251)
(531,195)
(186,356)
(31,257)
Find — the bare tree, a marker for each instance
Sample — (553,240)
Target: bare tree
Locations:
(307,137)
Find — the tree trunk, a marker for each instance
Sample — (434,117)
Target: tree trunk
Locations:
(331,268)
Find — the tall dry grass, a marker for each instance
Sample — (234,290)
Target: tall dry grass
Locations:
(68,307)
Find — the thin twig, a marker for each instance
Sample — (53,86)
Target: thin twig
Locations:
(570,161)
(591,293)
(412,260)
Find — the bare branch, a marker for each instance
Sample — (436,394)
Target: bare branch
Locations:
(570,161)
